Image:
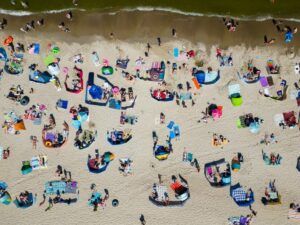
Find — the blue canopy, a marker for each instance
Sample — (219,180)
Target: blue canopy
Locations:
(3,55)
(95,92)
(200,76)
(40,77)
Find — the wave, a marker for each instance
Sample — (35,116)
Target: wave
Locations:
(177,11)
(111,11)
(28,13)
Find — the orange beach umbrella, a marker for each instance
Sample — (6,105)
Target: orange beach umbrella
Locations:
(8,40)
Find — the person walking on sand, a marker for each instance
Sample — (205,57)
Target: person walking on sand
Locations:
(142,219)
(173,32)
(159,41)
(69,15)
(40,22)
(148,47)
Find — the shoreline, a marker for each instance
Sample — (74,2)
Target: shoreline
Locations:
(144,27)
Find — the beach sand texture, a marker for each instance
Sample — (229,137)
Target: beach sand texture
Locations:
(207,205)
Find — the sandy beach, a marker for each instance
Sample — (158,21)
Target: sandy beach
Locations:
(132,31)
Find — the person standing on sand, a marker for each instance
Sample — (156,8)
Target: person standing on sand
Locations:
(142,219)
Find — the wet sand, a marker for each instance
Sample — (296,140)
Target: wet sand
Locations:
(147,26)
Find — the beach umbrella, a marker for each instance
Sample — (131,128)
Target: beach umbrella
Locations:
(254,127)
(211,108)
(8,40)
(76,124)
(216,113)
(82,117)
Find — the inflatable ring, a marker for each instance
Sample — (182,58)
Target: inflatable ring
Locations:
(48,143)
(25,100)
(115,202)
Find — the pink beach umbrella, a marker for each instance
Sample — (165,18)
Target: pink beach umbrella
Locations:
(105,62)
(216,113)
(115,90)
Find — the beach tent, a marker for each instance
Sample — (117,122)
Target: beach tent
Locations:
(14,65)
(122,63)
(5,197)
(78,89)
(40,77)
(161,152)
(3,55)
(217,178)
(119,137)
(240,197)
(107,157)
(157,71)
(31,199)
(206,78)
(234,91)
(19,125)
(94,93)
(162,95)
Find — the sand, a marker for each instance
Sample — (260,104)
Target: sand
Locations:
(207,205)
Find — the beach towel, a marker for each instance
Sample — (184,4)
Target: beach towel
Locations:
(49,59)
(171,124)
(239,195)
(263,81)
(52,187)
(293,214)
(176,52)
(95,59)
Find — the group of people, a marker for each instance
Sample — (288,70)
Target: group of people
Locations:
(15,93)
(230,24)
(30,26)
(96,199)
(62,25)
(33,113)
(219,139)
(269,139)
